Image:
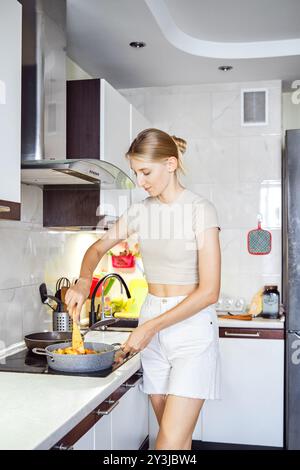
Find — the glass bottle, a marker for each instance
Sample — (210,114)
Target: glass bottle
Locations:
(270,302)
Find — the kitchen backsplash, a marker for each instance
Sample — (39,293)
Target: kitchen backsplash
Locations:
(237,168)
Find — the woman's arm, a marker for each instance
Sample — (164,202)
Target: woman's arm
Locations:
(77,294)
(207,293)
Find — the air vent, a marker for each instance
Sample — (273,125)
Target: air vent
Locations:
(254,107)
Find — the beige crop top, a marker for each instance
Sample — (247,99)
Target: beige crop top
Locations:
(169,235)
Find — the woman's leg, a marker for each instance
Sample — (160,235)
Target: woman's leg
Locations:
(158,405)
(178,422)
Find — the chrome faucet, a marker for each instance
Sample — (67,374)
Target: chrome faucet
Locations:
(92,316)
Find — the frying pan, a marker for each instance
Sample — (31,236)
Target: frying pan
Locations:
(47,338)
(81,362)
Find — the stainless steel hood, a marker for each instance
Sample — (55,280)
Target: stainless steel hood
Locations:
(44,159)
(75,171)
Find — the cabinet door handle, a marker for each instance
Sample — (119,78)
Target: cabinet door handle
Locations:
(128,385)
(252,335)
(62,446)
(4,209)
(104,413)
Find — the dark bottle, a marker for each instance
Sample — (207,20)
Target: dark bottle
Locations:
(270,302)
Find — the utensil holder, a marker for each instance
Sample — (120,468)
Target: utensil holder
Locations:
(62,321)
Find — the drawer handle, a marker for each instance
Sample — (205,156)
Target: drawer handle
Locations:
(4,209)
(252,335)
(62,446)
(128,385)
(113,405)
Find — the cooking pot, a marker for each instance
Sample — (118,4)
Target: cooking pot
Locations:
(80,362)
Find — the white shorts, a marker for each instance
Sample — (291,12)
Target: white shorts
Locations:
(182,359)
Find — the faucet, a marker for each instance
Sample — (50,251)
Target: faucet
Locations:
(92,316)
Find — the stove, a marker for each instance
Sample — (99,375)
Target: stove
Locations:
(28,362)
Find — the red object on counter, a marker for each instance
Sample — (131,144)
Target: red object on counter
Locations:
(123,261)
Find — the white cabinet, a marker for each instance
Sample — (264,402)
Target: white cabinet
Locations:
(10,100)
(120,123)
(114,143)
(114,126)
(138,123)
(102,433)
(119,423)
(129,420)
(251,408)
(86,442)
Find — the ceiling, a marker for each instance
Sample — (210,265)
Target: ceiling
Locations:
(186,40)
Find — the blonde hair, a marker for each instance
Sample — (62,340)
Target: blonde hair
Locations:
(153,145)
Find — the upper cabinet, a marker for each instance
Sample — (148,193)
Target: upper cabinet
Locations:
(10,108)
(138,123)
(114,126)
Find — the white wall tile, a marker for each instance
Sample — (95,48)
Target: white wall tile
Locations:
(225,113)
(260,158)
(36,317)
(11,316)
(31,204)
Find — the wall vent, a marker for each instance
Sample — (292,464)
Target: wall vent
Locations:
(254,107)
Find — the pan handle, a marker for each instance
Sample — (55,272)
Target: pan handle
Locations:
(43,352)
(116,346)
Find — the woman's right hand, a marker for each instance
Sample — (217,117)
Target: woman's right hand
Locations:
(76,296)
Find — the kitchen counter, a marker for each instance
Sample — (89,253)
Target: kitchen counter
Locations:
(37,410)
(258,322)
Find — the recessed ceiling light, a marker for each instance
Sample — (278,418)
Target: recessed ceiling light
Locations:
(225,68)
(137,44)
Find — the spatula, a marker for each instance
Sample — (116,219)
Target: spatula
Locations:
(77,341)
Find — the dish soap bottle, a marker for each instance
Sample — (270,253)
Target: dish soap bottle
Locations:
(270,302)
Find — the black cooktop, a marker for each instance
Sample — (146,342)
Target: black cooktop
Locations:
(27,361)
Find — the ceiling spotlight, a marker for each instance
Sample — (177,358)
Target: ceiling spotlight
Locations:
(225,68)
(137,44)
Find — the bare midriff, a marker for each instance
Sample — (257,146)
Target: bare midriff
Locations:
(169,290)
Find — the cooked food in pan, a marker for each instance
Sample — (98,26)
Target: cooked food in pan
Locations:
(72,350)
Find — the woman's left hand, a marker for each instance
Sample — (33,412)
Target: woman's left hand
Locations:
(139,338)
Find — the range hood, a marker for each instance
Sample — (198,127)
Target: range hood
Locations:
(44,159)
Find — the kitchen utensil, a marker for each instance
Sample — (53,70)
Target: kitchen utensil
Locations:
(63,292)
(81,362)
(61,321)
(46,338)
(45,297)
(259,241)
(62,282)
(77,340)
(236,317)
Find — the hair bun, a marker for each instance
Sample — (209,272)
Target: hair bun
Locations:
(181,143)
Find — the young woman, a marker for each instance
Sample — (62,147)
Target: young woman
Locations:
(177,333)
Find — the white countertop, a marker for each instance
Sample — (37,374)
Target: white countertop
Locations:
(258,322)
(37,410)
